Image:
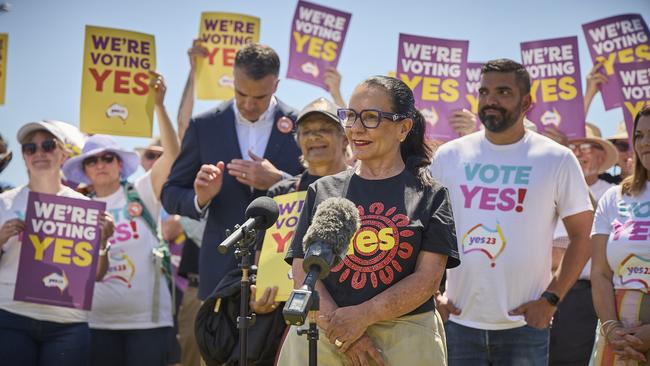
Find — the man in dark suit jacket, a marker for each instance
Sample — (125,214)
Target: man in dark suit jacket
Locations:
(211,172)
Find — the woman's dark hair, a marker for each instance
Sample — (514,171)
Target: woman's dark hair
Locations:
(634,185)
(415,152)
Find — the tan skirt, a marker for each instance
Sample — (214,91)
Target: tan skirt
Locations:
(408,340)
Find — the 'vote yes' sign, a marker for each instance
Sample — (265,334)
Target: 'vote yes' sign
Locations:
(317,35)
(435,70)
(634,82)
(4,40)
(115,93)
(58,257)
(223,34)
(620,39)
(554,69)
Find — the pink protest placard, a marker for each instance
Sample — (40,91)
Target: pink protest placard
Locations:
(554,68)
(434,69)
(317,35)
(59,253)
(619,39)
(634,83)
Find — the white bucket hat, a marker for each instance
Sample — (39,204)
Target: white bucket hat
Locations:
(97,144)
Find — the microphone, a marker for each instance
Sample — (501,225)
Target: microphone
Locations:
(260,215)
(325,244)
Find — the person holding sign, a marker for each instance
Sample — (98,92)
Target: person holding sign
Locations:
(621,256)
(231,155)
(131,315)
(508,186)
(31,333)
(377,304)
(323,144)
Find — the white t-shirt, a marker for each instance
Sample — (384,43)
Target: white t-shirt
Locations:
(626,221)
(124,298)
(13,204)
(597,189)
(506,201)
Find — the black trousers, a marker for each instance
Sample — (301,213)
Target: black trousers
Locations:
(574,327)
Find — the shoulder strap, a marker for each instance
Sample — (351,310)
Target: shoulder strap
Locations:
(132,196)
(346,183)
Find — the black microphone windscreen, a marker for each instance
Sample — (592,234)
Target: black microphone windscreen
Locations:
(265,209)
(335,222)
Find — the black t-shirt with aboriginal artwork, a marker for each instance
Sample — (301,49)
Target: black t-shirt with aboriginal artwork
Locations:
(399,218)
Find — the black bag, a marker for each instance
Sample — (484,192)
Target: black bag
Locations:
(216,330)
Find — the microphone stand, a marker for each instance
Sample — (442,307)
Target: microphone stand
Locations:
(244,321)
(312,332)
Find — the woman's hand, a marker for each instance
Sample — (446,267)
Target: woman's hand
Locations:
(346,325)
(9,229)
(362,351)
(107,227)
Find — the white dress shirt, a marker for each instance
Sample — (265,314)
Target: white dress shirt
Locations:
(252,136)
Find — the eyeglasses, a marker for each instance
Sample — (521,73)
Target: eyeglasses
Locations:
(370,118)
(47,146)
(93,160)
(585,147)
(622,146)
(151,155)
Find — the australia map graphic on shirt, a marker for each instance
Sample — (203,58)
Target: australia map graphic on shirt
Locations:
(483,239)
(635,269)
(120,268)
(376,249)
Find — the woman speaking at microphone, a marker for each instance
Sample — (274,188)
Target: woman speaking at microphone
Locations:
(376,306)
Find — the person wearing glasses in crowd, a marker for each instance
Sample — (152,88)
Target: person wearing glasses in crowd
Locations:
(574,324)
(131,315)
(149,154)
(621,252)
(625,162)
(36,334)
(377,304)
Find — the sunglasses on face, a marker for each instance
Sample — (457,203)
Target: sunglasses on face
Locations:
(370,118)
(92,160)
(622,146)
(584,147)
(151,155)
(30,148)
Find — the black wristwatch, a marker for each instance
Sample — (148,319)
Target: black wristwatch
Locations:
(552,298)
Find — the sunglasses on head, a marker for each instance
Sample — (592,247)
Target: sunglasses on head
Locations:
(105,158)
(30,148)
(151,155)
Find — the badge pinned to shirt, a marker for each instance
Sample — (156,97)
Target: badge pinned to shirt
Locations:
(285,124)
(134,209)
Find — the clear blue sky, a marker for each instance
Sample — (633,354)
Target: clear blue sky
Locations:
(46,44)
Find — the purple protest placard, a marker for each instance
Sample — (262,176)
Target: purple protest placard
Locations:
(473,82)
(619,39)
(58,257)
(634,81)
(434,69)
(554,68)
(317,35)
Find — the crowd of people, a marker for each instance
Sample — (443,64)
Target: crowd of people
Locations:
(504,246)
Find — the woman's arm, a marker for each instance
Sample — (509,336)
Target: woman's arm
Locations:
(107,228)
(168,138)
(349,323)
(602,289)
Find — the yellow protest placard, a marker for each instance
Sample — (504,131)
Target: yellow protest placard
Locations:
(272,270)
(222,34)
(4,43)
(115,97)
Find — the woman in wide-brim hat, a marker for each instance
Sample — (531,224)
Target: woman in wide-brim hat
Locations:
(131,316)
(30,333)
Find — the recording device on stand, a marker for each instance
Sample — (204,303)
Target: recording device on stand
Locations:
(260,215)
(325,245)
